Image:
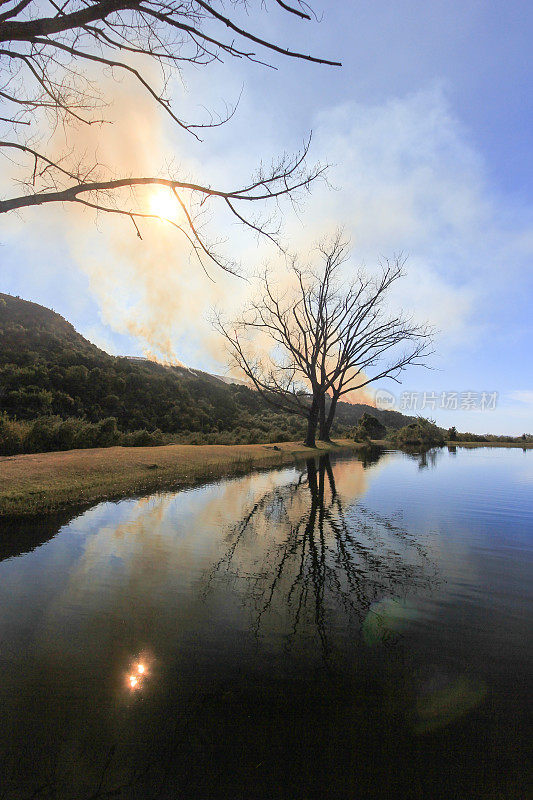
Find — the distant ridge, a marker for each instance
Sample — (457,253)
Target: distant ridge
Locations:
(223,378)
(48,368)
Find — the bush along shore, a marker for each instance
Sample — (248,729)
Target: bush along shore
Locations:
(425,433)
(41,483)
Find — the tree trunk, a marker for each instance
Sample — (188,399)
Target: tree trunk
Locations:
(312,422)
(325,427)
(322,419)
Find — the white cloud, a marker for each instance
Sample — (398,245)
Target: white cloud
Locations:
(410,181)
(405,179)
(522,396)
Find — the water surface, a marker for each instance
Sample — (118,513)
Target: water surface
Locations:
(350,627)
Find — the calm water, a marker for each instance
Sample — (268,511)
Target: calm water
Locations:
(353,628)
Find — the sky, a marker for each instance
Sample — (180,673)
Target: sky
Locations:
(427,130)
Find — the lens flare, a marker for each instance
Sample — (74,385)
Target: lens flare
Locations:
(386,619)
(444,699)
(163,203)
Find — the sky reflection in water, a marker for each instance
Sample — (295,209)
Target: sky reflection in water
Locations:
(359,624)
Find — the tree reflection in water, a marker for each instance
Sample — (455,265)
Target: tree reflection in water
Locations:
(320,558)
(425,458)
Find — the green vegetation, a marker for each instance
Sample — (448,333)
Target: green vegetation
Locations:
(421,433)
(488,438)
(369,428)
(53,433)
(58,392)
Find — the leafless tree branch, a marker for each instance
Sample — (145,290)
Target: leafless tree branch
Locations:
(327,338)
(44,84)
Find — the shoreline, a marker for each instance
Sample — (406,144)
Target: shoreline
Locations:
(38,484)
(521,445)
(46,483)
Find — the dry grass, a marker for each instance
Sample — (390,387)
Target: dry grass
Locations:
(45,482)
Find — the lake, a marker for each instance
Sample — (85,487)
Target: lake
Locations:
(352,627)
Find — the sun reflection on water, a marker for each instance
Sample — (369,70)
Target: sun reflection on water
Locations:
(137,675)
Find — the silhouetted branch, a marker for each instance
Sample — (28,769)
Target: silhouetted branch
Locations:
(44,83)
(328,336)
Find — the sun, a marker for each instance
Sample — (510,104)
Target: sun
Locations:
(163,203)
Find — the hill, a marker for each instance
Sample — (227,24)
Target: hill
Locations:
(49,370)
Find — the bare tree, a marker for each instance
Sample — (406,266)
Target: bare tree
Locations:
(325,339)
(44,83)
(361,341)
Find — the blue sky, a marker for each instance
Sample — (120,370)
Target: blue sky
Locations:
(427,127)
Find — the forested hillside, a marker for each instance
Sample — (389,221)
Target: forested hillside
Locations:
(50,373)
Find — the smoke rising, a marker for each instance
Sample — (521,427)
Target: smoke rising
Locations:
(151,288)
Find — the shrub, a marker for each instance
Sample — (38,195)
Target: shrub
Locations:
(422,433)
(41,435)
(157,437)
(12,435)
(278,435)
(142,438)
(72,433)
(107,432)
(368,428)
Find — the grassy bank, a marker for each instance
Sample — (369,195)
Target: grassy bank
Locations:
(48,482)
